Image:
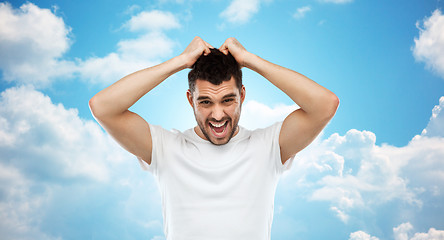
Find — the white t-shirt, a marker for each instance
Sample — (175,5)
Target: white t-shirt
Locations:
(214,192)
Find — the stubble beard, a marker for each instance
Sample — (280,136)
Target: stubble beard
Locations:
(207,135)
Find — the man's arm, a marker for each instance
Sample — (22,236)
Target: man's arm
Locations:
(110,106)
(318,104)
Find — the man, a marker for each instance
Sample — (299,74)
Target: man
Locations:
(217,180)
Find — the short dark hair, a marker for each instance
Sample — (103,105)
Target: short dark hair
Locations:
(215,68)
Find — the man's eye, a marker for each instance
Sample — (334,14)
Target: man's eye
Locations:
(205,102)
(228,100)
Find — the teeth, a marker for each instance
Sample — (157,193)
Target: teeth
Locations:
(218,125)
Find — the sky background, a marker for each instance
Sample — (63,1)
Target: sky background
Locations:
(376,171)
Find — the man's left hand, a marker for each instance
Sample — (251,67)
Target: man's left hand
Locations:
(233,46)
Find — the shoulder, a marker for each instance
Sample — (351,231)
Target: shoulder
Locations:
(162,134)
(268,132)
(267,136)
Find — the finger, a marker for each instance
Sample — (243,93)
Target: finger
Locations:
(207,51)
(208,45)
(224,49)
(207,48)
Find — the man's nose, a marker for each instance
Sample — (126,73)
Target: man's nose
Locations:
(218,112)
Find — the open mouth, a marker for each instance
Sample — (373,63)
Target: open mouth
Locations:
(219,129)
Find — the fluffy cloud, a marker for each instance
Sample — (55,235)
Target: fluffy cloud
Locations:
(300,12)
(18,206)
(241,11)
(47,141)
(429,46)
(153,20)
(403,231)
(422,157)
(61,176)
(54,167)
(432,234)
(258,115)
(435,127)
(353,174)
(133,54)
(360,235)
(32,39)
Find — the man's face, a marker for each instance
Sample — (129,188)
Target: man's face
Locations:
(217,109)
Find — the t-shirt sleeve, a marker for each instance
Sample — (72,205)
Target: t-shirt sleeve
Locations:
(275,131)
(156,138)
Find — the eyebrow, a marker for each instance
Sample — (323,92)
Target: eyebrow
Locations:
(202,98)
(230,95)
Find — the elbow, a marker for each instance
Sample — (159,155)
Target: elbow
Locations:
(334,104)
(94,107)
(331,104)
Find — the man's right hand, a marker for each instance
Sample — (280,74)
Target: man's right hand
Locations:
(194,50)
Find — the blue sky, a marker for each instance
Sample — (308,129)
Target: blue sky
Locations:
(376,171)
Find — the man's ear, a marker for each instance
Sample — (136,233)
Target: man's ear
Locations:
(190,98)
(242,94)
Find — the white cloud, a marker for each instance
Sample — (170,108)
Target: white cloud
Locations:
(421,160)
(429,46)
(300,12)
(47,141)
(432,234)
(17,216)
(403,231)
(435,127)
(340,214)
(360,235)
(56,168)
(43,146)
(241,11)
(351,172)
(144,51)
(32,42)
(258,115)
(132,55)
(354,174)
(132,9)
(153,21)
(152,45)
